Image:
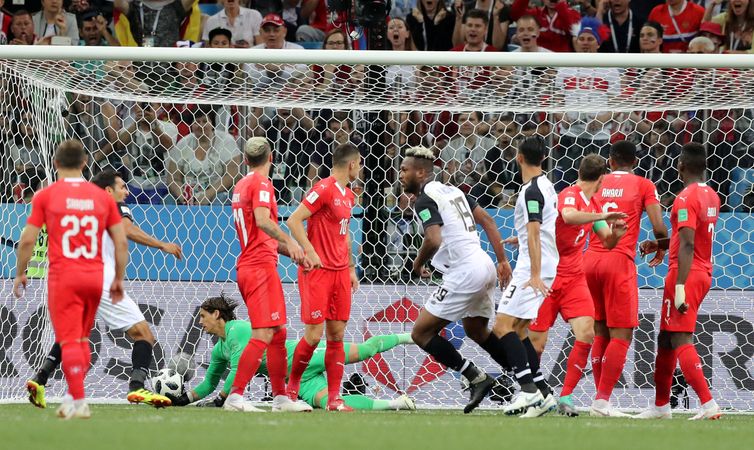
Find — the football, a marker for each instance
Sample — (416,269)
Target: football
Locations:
(168,381)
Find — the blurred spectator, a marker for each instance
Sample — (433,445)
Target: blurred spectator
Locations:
(5,20)
(497,20)
(642,8)
(559,22)
(144,145)
(737,23)
(316,14)
(582,133)
(585,7)
(473,81)
(475,26)
(52,20)
(22,29)
(94,31)
(713,31)
(203,165)
(154,23)
(503,176)
(651,38)
(272,36)
(701,45)
(624,26)
(400,80)
(431,25)
(464,156)
(28,158)
(402,8)
(268,6)
(527,35)
(339,79)
(243,23)
(680,20)
(219,76)
(658,163)
(339,131)
(94,122)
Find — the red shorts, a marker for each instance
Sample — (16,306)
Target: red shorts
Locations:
(73,303)
(325,295)
(570,297)
(697,286)
(263,294)
(611,277)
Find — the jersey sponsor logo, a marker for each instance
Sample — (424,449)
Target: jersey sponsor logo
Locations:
(570,201)
(264,196)
(312,197)
(612,192)
(425,215)
(532,206)
(79,204)
(683,215)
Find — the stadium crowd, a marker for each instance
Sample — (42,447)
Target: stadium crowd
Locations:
(190,154)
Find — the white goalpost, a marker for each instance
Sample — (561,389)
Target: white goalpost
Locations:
(173,121)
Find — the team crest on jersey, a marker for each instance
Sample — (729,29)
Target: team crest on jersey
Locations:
(312,197)
(337,202)
(264,196)
(570,201)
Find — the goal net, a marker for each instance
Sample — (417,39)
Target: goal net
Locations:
(174,130)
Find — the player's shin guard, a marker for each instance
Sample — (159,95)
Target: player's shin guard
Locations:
(612,367)
(691,366)
(334,366)
(277,362)
(533,358)
(664,368)
(301,356)
(248,365)
(519,361)
(74,368)
(577,360)
(51,362)
(141,357)
(599,347)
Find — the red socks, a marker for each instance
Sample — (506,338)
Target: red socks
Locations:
(612,367)
(75,365)
(691,366)
(277,362)
(577,361)
(248,365)
(664,368)
(335,359)
(301,356)
(598,351)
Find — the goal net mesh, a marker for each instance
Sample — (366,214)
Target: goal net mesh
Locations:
(175,132)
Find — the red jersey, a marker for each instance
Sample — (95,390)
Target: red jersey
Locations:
(556,31)
(471,77)
(76,214)
(327,228)
(678,30)
(696,207)
(570,239)
(630,194)
(257,247)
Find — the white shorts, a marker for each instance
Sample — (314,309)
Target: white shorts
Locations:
(521,303)
(121,316)
(467,292)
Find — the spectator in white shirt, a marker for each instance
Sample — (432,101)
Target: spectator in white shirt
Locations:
(243,23)
(52,21)
(272,37)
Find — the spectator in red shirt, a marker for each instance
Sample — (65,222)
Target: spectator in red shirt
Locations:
(475,24)
(680,20)
(559,22)
(315,11)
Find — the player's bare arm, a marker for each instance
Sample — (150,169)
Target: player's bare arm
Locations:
(685,258)
(609,235)
(504,271)
(430,245)
(296,224)
(272,229)
(118,235)
(660,230)
(535,254)
(136,234)
(573,216)
(352,266)
(23,255)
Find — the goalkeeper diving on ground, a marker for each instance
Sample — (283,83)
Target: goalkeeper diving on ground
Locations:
(217,317)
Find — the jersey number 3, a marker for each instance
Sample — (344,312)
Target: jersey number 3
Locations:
(89,226)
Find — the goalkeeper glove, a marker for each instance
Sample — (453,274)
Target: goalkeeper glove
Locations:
(183,400)
(680,298)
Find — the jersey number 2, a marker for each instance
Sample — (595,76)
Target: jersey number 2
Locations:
(90,226)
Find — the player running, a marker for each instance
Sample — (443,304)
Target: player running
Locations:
(123,316)
(579,212)
(255,215)
(611,274)
(217,317)
(534,220)
(693,217)
(449,219)
(76,214)
(326,289)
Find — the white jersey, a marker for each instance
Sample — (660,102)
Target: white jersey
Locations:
(448,206)
(108,251)
(537,201)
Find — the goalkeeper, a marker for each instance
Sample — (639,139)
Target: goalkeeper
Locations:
(217,317)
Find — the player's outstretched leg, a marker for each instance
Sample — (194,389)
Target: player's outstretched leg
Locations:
(364,403)
(374,345)
(141,357)
(36,385)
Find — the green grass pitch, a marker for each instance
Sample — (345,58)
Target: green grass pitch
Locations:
(130,427)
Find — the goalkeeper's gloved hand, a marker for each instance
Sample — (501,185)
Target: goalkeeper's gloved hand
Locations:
(219,401)
(183,400)
(680,298)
